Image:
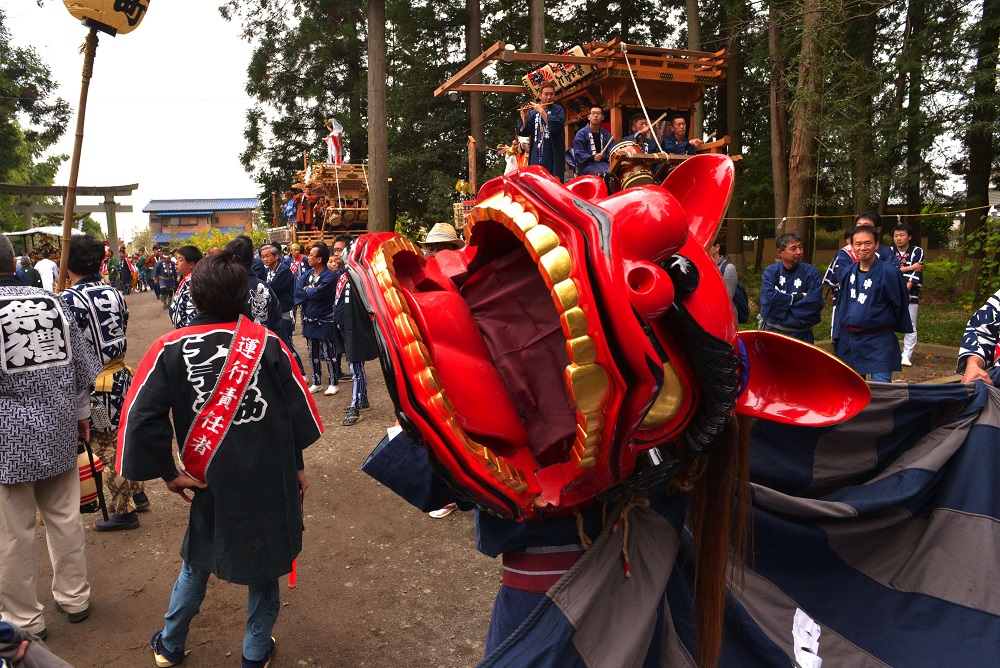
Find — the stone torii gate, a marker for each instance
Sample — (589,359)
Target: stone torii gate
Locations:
(109,207)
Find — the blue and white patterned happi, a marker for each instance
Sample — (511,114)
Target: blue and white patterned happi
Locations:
(982,333)
(102,315)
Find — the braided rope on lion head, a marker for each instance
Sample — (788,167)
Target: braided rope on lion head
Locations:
(581,345)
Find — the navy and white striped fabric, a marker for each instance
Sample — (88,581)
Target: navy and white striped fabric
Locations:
(982,334)
(875,543)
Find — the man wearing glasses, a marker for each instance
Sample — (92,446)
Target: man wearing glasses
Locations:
(592,145)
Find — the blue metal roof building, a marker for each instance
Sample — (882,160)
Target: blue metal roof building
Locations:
(203,207)
(179,219)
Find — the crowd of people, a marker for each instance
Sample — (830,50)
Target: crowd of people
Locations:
(875,292)
(593,145)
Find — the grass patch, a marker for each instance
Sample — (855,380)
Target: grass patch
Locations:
(941,319)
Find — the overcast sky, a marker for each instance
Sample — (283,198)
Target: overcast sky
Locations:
(166,104)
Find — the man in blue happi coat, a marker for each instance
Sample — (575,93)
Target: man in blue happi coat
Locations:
(543,122)
(642,134)
(676,141)
(279,278)
(791,292)
(315,293)
(592,145)
(873,306)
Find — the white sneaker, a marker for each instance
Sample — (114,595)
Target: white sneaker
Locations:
(313,389)
(331,390)
(906,362)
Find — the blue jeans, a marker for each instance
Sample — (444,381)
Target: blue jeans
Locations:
(263,606)
(882,377)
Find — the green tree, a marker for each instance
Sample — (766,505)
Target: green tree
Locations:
(981,137)
(32,119)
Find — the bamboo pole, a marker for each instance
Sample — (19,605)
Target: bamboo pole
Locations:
(89,52)
(473,168)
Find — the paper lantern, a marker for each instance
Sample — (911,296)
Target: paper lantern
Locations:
(122,16)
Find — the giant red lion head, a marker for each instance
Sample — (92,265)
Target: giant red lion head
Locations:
(581,345)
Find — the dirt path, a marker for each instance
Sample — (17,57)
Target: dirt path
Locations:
(379,583)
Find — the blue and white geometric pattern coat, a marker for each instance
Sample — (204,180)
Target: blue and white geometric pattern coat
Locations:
(982,333)
(102,315)
(46,371)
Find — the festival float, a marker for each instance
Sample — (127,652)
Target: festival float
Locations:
(343,185)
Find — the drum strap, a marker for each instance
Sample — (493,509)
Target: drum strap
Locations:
(216,415)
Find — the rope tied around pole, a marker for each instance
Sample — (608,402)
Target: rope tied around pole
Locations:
(848,215)
(89,50)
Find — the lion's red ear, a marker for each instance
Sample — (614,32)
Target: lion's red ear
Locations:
(796,383)
(588,187)
(703,185)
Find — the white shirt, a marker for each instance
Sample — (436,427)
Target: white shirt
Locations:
(47,269)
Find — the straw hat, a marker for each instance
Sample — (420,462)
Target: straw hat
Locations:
(444,233)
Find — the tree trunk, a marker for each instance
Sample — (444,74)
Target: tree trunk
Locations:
(378,159)
(357,142)
(734,128)
(805,143)
(779,124)
(861,190)
(914,109)
(980,137)
(892,140)
(477,110)
(536,14)
(694,44)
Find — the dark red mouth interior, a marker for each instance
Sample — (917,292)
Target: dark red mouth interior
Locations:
(514,312)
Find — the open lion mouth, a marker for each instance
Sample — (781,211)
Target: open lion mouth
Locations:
(507,355)
(500,350)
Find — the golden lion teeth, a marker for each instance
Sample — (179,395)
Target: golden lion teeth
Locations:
(526,222)
(542,239)
(407,327)
(395,301)
(582,350)
(667,402)
(557,264)
(512,209)
(593,422)
(590,386)
(574,323)
(566,294)
(416,354)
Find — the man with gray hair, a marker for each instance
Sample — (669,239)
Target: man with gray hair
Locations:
(46,372)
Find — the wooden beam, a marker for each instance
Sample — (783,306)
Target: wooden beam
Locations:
(60,191)
(554,58)
(476,66)
(80,208)
(488,88)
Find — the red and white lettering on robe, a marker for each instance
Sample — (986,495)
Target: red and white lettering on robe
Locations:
(179,348)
